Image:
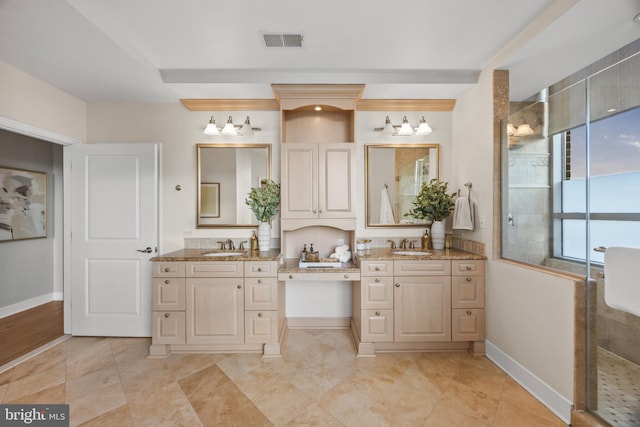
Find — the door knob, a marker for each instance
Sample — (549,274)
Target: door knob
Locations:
(148,250)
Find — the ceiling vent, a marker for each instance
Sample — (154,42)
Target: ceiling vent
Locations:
(275,39)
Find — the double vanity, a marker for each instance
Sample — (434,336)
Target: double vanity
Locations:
(235,301)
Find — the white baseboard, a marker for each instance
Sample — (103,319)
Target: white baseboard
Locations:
(30,303)
(550,398)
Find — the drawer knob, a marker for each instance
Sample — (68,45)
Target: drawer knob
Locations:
(259,314)
(291,276)
(377,268)
(259,280)
(468,267)
(397,285)
(469,312)
(166,281)
(260,269)
(166,269)
(346,276)
(166,315)
(377,313)
(239,286)
(377,280)
(468,279)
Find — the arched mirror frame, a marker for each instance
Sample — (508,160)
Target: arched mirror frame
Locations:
(395,184)
(215,191)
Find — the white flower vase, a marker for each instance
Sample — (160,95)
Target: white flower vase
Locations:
(437,234)
(264,236)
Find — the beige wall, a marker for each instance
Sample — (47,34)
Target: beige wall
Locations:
(30,101)
(529,312)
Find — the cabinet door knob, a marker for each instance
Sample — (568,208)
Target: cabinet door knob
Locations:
(346,276)
(468,267)
(166,270)
(166,315)
(291,276)
(377,313)
(377,280)
(166,281)
(468,279)
(259,314)
(239,286)
(377,268)
(259,280)
(260,269)
(397,285)
(469,312)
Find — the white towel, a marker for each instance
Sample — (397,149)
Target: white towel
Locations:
(622,279)
(463,214)
(386,211)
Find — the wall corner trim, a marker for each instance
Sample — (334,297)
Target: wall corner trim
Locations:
(550,398)
(35,132)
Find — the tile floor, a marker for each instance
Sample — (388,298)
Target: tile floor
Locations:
(318,382)
(618,390)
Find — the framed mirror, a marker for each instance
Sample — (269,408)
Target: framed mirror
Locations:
(226,174)
(393,177)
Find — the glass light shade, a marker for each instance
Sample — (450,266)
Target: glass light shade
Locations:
(246,130)
(423,127)
(523,130)
(406,128)
(510,129)
(229,128)
(211,128)
(388,127)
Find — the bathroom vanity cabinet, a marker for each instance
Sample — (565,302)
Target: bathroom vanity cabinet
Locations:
(417,304)
(216,306)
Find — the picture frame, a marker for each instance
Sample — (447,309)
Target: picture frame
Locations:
(23,204)
(210,200)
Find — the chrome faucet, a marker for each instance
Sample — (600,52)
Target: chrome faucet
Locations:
(412,244)
(221,245)
(242,245)
(230,244)
(393,244)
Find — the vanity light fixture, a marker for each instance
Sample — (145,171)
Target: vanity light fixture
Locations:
(523,130)
(229,129)
(211,128)
(318,108)
(510,129)
(405,129)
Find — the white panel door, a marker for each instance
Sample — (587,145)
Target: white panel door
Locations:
(114,233)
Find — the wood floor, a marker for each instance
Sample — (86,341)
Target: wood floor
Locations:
(25,331)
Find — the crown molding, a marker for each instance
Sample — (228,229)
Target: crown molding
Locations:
(230,104)
(406,104)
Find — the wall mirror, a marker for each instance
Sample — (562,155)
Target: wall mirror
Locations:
(226,174)
(394,174)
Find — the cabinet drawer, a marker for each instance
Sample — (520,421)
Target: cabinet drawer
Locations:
(376,268)
(260,269)
(168,269)
(467,324)
(467,291)
(214,269)
(261,327)
(350,276)
(377,292)
(464,267)
(377,326)
(168,293)
(261,293)
(422,268)
(168,327)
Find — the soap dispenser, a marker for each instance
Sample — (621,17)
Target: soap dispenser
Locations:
(254,242)
(426,240)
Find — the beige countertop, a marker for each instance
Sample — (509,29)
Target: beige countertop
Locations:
(199,255)
(387,254)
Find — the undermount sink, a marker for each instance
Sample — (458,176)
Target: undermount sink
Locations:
(414,253)
(221,254)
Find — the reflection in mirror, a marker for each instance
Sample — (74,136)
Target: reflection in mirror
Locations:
(394,174)
(226,174)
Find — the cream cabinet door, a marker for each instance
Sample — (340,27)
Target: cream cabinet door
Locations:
(422,308)
(336,180)
(299,174)
(215,310)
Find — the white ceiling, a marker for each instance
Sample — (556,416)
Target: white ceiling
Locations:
(121,50)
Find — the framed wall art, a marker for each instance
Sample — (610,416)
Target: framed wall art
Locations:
(23,204)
